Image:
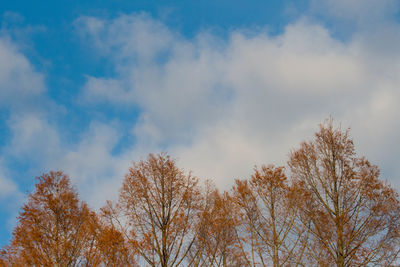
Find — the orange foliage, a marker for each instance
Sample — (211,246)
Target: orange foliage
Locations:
(351,215)
(53,226)
(113,248)
(270,229)
(334,211)
(217,243)
(160,205)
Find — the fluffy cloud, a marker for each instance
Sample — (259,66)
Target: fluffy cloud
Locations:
(18,78)
(10,197)
(92,166)
(358,11)
(222,106)
(7,186)
(19,83)
(91,162)
(33,137)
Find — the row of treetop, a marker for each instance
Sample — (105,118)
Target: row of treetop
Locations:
(327,207)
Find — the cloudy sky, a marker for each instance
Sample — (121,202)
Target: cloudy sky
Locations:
(87,87)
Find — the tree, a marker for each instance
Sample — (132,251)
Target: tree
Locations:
(352,216)
(271,229)
(217,242)
(112,247)
(53,228)
(160,205)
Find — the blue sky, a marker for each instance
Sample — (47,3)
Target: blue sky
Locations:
(89,86)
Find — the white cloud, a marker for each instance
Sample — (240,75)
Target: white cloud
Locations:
(11,197)
(32,137)
(18,78)
(143,40)
(304,60)
(7,186)
(361,12)
(222,106)
(20,86)
(91,164)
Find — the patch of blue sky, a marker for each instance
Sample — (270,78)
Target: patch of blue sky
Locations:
(5,233)
(4,130)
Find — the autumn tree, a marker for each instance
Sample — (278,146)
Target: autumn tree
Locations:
(112,247)
(352,216)
(217,242)
(53,227)
(158,208)
(9,257)
(271,229)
